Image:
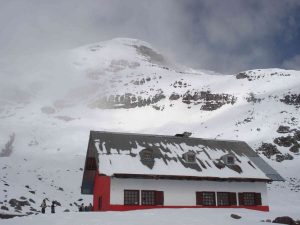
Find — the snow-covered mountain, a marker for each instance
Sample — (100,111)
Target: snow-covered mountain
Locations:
(127,85)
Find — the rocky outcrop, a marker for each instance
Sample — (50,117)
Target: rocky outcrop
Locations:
(291,99)
(268,150)
(127,101)
(208,100)
(284,220)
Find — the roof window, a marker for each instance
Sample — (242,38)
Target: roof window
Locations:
(189,157)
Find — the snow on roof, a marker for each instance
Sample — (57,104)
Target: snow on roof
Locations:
(120,153)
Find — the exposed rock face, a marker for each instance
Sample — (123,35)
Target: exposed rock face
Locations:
(284,220)
(253,98)
(241,75)
(291,99)
(283,129)
(287,141)
(127,101)
(17,204)
(208,100)
(268,149)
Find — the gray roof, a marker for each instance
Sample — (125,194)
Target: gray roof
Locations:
(121,153)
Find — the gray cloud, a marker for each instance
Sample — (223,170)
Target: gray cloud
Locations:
(293,63)
(225,36)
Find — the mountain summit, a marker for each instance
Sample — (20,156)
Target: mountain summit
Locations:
(127,85)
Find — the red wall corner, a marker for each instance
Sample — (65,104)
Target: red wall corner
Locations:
(101,201)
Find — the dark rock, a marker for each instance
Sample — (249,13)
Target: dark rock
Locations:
(174,96)
(31,200)
(60,189)
(287,156)
(268,149)
(32,192)
(283,129)
(291,99)
(241,75)
(18,204)
(23,198)
(280,158)
(297,135)
(33,209)
(4,208)
(66,210)
(284,220)
(294,149)
(287,141)
(252,98)
(235,216)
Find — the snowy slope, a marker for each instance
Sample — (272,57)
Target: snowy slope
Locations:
(127,85)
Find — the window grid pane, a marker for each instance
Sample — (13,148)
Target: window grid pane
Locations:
(223,198)
(208,198)
(249,199)
(131,197)
(148,198)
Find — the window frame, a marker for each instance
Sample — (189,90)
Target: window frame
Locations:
(232,158)
(91,163)
(189,154)
(257,198)
(202,200)
(126,202)
(147,191)
(219,198)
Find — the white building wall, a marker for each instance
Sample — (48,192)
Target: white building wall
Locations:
(182,192)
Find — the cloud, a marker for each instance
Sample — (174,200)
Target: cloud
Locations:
(225,36)
(293,63)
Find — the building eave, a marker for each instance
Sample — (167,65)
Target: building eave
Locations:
(175,177)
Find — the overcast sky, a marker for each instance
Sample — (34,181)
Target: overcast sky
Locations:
(224,36)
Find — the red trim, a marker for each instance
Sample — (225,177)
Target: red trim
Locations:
(138,207)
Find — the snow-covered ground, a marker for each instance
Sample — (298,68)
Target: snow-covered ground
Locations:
(151,216)
(126,85)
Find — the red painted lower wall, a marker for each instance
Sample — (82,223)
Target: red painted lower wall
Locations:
(137,207)
(101,200)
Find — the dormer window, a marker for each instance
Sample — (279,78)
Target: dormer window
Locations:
(190,157)
(147,155)
(228,159)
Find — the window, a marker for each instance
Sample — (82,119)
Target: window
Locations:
(205,198)
(148,197)
(250,198)
(90,163)
(131,197)
(147,155)
(152,198)
(230,160)
(223,198)
(189,157)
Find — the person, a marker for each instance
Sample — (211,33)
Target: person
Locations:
(86,208)
(81,207)
(53,207)
(43,206)
(90,207)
